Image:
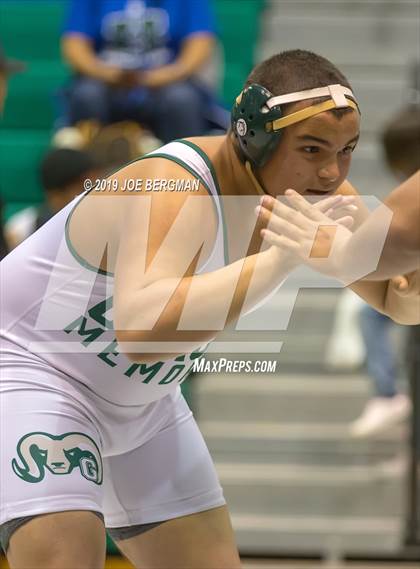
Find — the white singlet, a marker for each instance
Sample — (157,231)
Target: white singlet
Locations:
(44,280)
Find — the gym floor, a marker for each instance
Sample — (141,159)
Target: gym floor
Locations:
(119,563)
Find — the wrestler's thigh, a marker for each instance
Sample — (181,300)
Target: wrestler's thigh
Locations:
(171,479)
(59,540)
(199,541)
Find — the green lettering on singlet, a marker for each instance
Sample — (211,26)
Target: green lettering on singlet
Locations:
(80,325)
(186,374)
(110,349)
(97,312)
(144,369)
(195,355)
(172,374)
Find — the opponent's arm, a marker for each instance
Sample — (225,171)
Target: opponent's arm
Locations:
(403,306)
(400,253)
(401,250)
(322,245)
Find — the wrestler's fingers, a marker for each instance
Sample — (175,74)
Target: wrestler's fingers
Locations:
(285,212)
(340,211)
(280,241)
(346,221)
(278,225)
(331,203)
(304,207)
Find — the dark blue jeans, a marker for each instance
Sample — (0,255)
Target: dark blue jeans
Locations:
(173,111)
(380,356)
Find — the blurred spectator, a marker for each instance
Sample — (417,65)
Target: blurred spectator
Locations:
(137,60)
(401,140)
(345,349)
(62,173)
(388,407)
(7,67)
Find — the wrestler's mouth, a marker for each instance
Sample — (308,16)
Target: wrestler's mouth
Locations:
(317,192)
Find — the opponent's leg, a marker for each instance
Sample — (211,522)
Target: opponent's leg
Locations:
(61,540)
(198,541)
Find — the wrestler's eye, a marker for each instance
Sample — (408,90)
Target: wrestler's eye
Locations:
(347,150)
(311,149)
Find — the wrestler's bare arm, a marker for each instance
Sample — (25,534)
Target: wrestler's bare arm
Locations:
(401,251)
(165,251)
(307,232)
(401,306)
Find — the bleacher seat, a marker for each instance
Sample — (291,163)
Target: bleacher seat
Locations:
(30,31)
(33,96)
(20,154)
(238,24)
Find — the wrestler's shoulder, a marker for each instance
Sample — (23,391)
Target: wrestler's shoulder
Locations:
(208,144)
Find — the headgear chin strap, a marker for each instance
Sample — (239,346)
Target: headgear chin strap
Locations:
(257,119)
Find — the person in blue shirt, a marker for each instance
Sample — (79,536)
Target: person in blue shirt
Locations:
(136,60)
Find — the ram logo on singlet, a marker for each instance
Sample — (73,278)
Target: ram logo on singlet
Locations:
(58,454)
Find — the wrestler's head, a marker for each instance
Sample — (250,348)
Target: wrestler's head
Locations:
(297,144)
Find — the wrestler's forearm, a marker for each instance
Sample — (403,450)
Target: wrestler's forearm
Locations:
(203,304)
(399,253)
(401,308)
(395,256)
(383,296)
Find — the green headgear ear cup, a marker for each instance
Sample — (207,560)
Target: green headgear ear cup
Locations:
(250,116)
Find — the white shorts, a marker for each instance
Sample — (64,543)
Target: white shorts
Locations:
(64,448)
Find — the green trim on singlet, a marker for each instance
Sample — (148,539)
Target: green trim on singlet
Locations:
(178,161)
(210,166)
(73,251)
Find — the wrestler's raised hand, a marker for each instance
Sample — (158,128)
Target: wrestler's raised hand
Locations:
(304,229)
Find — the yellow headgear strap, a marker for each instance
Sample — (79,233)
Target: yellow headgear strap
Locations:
(305,114)
(257,185)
